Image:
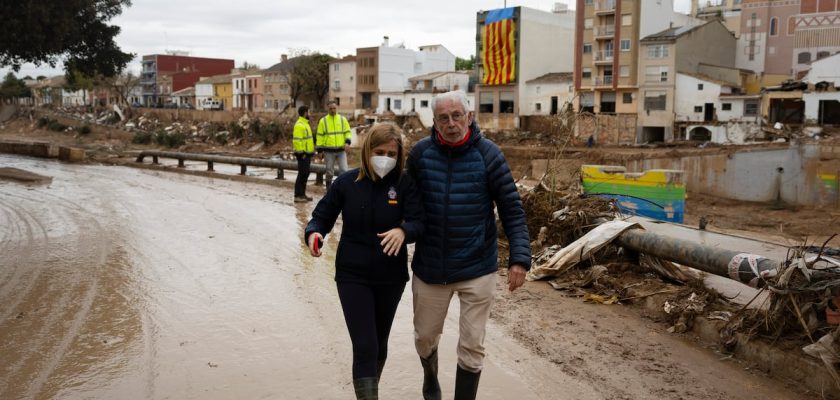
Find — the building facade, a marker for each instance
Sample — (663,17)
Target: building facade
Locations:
(276,90)
(343,84)
(728,11)
(184,70)
(516,45)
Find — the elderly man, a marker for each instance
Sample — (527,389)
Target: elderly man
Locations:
(333,135)
(461,175)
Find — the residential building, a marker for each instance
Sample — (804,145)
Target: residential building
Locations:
(515,45)
(203,92)
(767,39)
(184,98)
(184,71)
(248,90)
(387,69)
(417,99)
(276,90)
(48,92)
(343,84)
(816,32)
(217,87)
(548,94)
(728,11)
(710,109)
(607,55)
(824,70)
(663,55)
(164,88)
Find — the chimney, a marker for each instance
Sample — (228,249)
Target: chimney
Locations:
(385,41)
(284,58)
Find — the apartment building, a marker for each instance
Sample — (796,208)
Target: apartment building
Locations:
(816,33)
(727,11)
(606,50)
(248,90)
(663,55)
(343,84)
(276,90)
(184,71)
(517,45)
(387,69)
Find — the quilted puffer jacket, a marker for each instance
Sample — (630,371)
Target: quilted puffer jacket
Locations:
(459,187)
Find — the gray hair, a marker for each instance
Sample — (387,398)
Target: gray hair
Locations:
(455,95)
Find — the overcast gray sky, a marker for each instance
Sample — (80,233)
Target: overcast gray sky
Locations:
(259,31)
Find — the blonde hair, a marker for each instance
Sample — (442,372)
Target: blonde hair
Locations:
(380,134)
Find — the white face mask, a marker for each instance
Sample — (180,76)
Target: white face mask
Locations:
(382,165)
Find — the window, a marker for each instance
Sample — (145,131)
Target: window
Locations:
(655,100)
(335,67)
(538,90)
(822,54)
(804,57)
(586,73)
(425,103)
(398,104)
(506,102)
(608,102)
(625,44)
(699,86)
(698,109)
(726,106)
(774,26)
(627,98)
(587,23)
(538,107)
(751,108)
(337,85)
(337,101)
(656,74)
(658,51)
(485,102)
(626,20)
(587,102)
(624,71)
(588,2)
(587,48)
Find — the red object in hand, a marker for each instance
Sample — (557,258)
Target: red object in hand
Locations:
(316,244)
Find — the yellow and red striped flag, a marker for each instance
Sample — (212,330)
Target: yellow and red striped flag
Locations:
(498,47)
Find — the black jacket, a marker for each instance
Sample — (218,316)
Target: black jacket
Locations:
(460,186)
(368,208)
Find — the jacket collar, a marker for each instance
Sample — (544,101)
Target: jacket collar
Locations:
(475,136)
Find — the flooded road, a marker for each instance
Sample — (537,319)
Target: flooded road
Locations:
(126,283)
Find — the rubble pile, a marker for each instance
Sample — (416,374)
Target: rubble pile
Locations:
(566,215)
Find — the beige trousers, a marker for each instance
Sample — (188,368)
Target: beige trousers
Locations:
(431,302)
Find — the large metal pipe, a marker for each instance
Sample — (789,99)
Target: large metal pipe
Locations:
(747,268)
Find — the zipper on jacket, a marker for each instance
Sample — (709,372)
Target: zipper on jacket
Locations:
(446,214)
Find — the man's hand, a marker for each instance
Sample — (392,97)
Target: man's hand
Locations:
(516,276)
(315,250)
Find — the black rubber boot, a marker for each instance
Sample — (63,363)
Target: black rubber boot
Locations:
(431,386)
(466,384)
(380,365)
(367,388)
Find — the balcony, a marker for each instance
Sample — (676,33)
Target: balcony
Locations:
(604,31)
(603,56)
(604,7)
(602,80)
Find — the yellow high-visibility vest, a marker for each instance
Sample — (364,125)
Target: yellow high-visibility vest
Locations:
(302,137)
(333,132)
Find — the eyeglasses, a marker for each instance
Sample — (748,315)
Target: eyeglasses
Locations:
(444,118)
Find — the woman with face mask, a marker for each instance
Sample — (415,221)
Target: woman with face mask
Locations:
(381,212)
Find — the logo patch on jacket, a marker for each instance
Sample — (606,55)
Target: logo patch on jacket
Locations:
(392,196)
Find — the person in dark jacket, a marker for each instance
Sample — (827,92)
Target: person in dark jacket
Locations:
(381,212)
(461,176)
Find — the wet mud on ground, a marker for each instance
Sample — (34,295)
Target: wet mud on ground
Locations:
(132,283)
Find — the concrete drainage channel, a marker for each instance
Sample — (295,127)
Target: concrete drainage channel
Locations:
(790,364)
(43,150)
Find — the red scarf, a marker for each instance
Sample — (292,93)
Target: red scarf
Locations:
(460,142)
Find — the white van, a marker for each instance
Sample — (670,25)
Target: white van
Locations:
(212,105)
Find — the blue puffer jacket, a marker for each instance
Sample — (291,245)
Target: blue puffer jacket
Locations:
(459,186)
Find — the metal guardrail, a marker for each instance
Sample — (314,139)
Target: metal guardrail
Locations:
(243,162)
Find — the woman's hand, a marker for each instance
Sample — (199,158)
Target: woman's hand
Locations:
(392,241)
(313,249)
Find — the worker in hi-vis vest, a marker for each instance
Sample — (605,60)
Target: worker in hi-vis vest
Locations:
(304,147)
(332,138)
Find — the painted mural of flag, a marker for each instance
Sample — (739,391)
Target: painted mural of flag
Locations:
(498,48)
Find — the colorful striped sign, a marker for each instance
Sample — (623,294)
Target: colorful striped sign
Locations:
(656,193)
(498,47)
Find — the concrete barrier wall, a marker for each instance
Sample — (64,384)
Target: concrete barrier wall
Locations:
(33,149)
(171,115)
(796,175)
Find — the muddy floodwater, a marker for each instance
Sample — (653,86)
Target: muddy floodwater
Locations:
(122,283)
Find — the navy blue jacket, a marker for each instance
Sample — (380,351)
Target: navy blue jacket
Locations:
(368,208)
(459,186)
